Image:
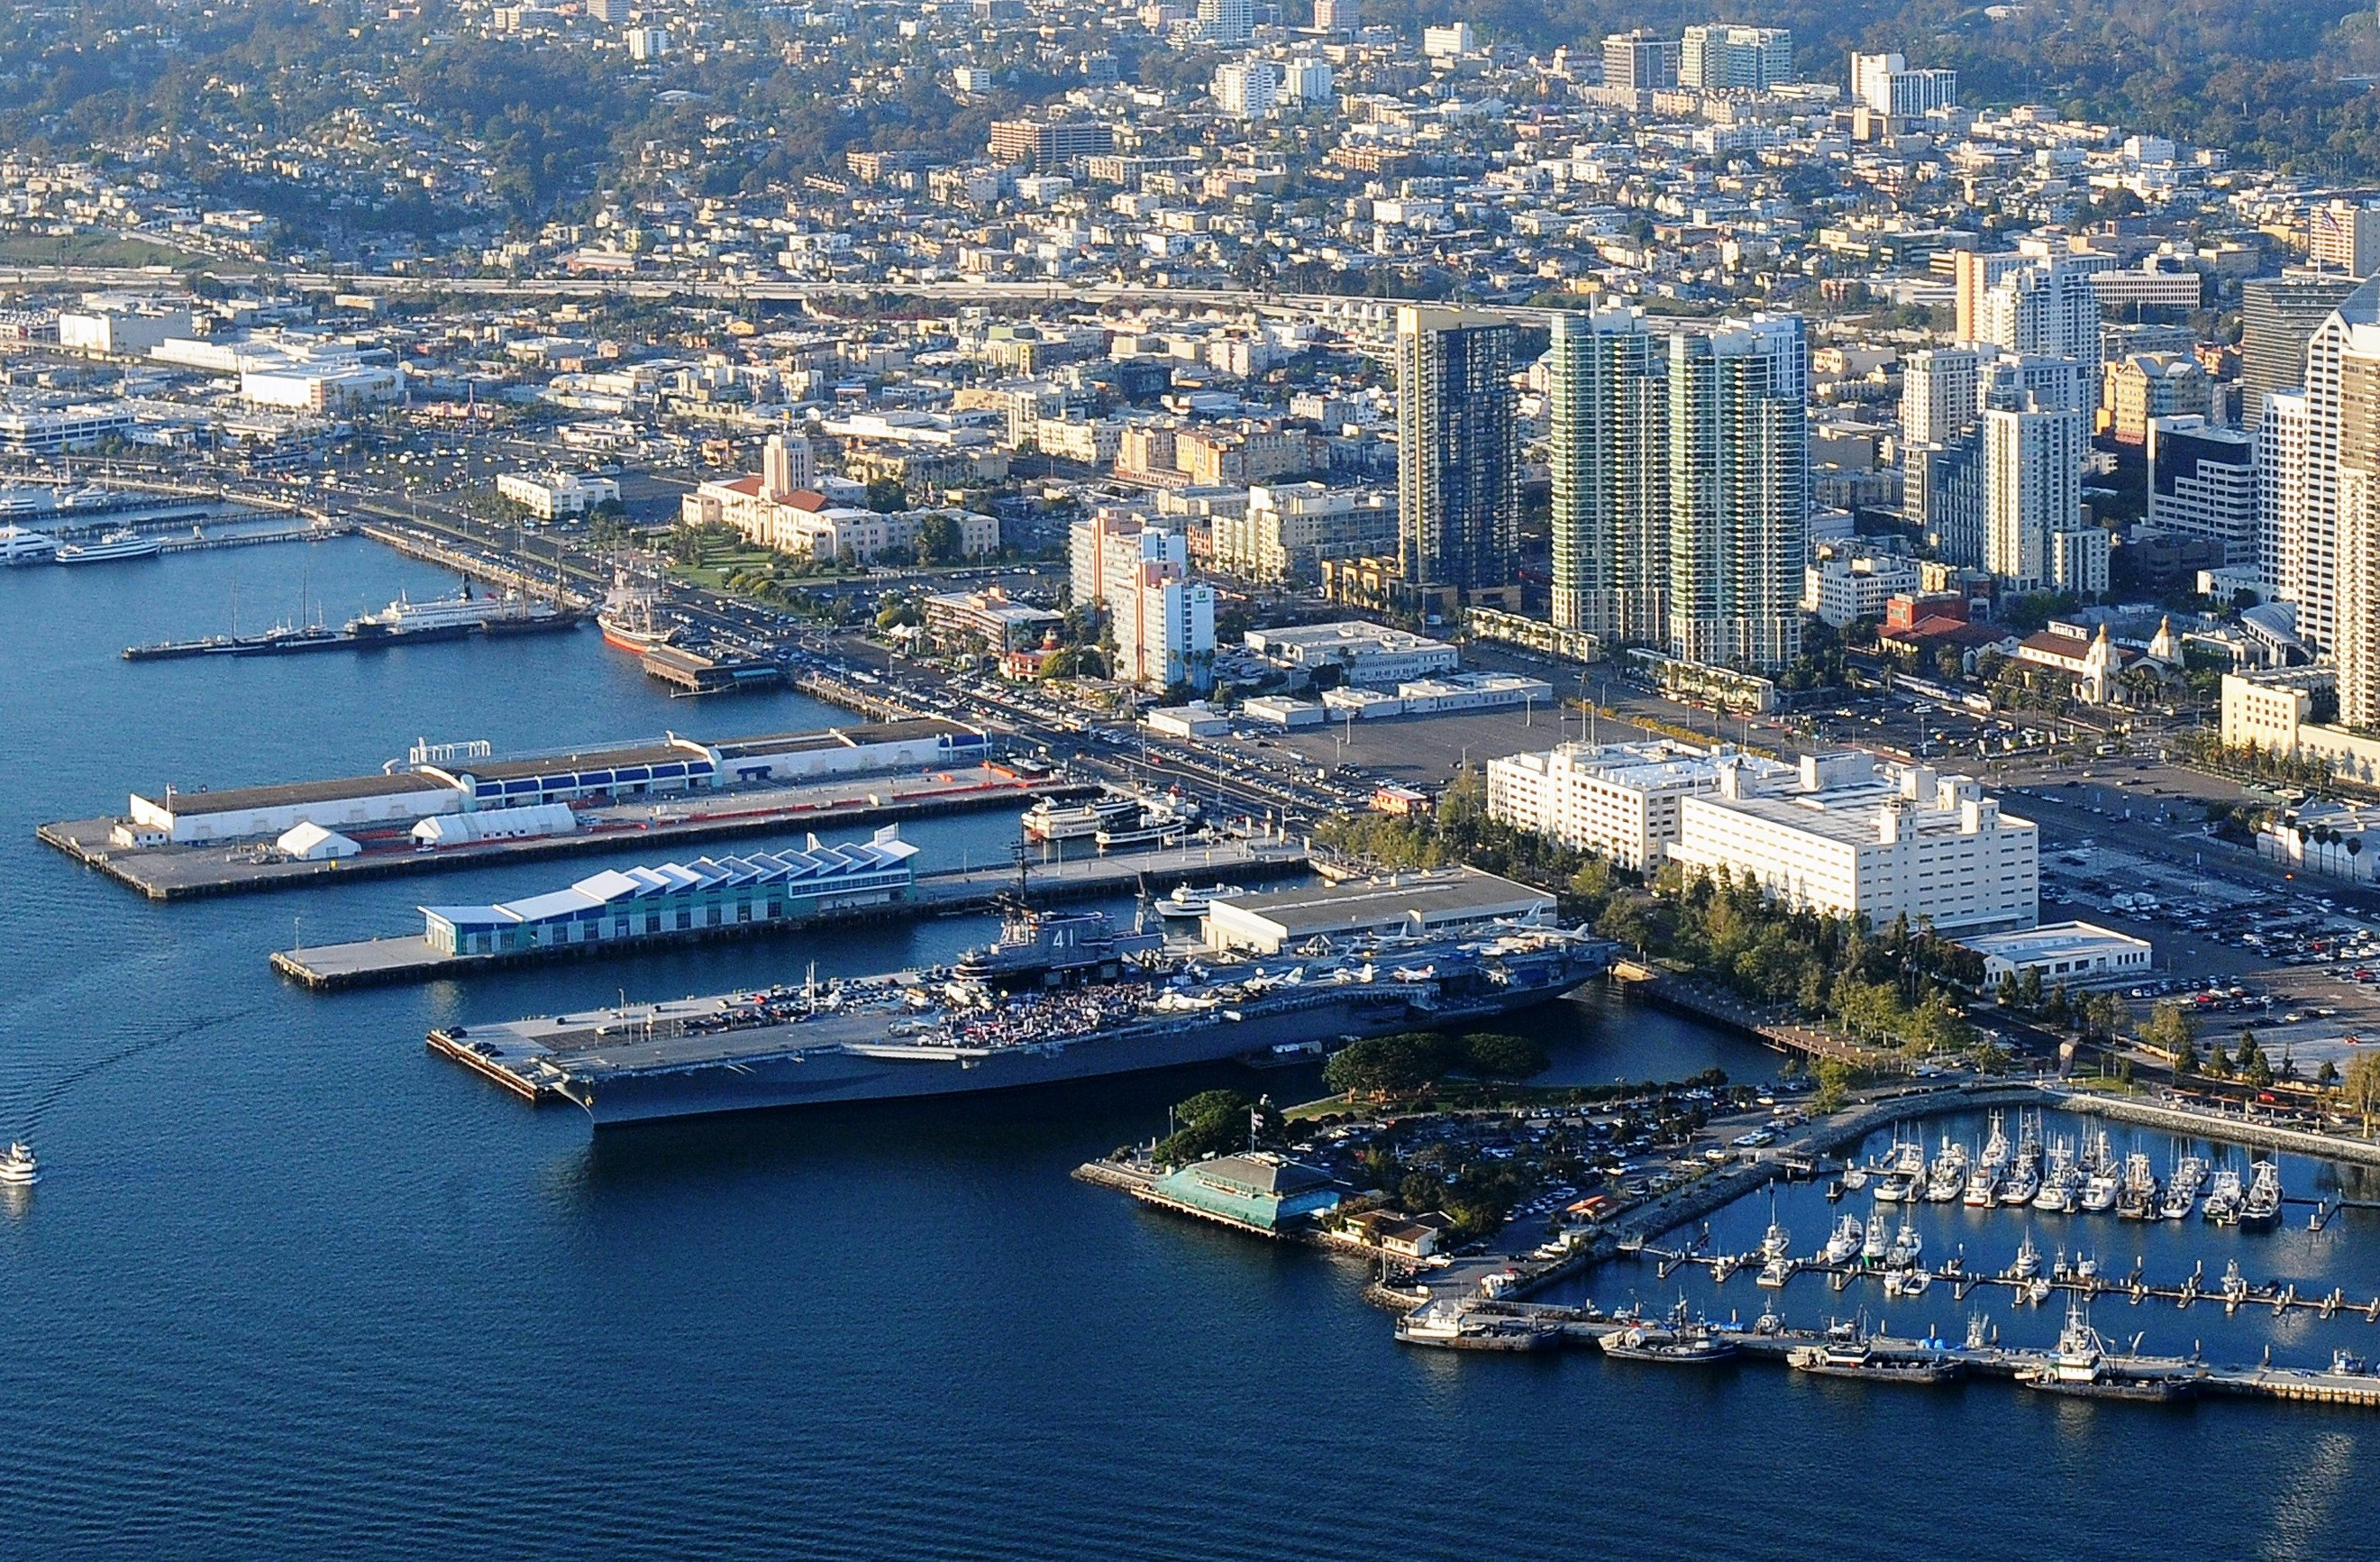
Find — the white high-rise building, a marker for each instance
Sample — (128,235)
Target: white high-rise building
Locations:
(2284,463)
(1226,21)
(787,465)
(1739,491)
(1610,454)
(2048,307)
(1718,57)
(1306,80)
(1163,622)
(1885,85)
(2302,481)
(1941,391)
(1853,838)
(2033,488)
(1247,89)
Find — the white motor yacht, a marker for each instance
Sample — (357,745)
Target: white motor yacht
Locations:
(18,1168)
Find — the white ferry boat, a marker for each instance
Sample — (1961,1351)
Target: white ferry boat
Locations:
(1186,904)
(114,546)
(1050,821)
(449,617)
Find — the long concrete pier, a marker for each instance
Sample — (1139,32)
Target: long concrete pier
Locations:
(412,959)
(177,873)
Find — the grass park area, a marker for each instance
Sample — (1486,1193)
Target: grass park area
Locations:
(93,250)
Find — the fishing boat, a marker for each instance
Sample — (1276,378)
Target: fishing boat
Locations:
(1680,1339)
(1876,1242)
(2084,1365)
(1947,1177)
(2099,1191)
(112,548)
(2181,1188)
(2138,1198)
(1906,1247)
(1983,1186)
(18,1168)
(1775,1273)
(2260,1205)
(2224,1197)
(1997,1150)
(1895,1189)
(2028,1260)
(1844,1245)
(2023,1184)
(1776,1242)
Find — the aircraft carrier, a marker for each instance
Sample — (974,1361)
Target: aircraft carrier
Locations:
(1060,996)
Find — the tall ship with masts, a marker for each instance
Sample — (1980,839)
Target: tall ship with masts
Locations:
(630,616)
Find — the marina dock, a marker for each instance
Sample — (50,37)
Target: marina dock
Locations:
(393,960)
(175,872)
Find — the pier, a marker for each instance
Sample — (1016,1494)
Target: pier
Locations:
(177,873)
(949,893)
(313,532)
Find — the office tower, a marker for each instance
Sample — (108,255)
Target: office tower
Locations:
(2356,648)
(1738,490)
(1638,62)
(1609,414)
(1338,16)
(1940,395)
(612,12)
(1722,58)
(2309,547)
(2033,486)
(1225,21)
(2044,308)
(1458,448)
(2278,316)
(1887,85)
(2202,484)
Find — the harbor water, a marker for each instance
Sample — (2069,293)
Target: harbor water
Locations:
(291,1286)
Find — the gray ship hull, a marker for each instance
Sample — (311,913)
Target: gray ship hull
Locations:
(820,1074)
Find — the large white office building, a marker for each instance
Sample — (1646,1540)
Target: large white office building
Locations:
(1854,837)
(1619,800)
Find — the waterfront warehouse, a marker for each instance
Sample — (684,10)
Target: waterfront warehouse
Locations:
(676,897)
(437,783)
(1438,901)
(2074,954)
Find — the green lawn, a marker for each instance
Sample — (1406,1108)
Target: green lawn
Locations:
(93,250)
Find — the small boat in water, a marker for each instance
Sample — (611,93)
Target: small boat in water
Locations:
(1844,1245)
(1906,1247)
(2224,1197)
(1186,904)
(2260,1205)
(1451,1325)
(1864,1359)
(1877,1242)
(18,1168)
(2028,1260)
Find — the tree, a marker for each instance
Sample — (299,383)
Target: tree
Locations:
(885,495)
(1388,1065)
(1214,1121)
(2327,1075)
(2362,1087)
(1490,1055)
(938,538)
(2168,1030)
(1835,1078)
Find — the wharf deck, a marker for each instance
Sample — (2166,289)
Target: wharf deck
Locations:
(391,960)
(175,872)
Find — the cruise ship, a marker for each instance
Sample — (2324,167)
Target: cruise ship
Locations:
(1059,997)
(114,546)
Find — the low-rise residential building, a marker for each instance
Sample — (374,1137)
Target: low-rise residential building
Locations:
(1288,528)
(1844,587)
(1852,837)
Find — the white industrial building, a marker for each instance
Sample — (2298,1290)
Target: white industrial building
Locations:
(1439,697)
(1619,800)
(119,328)
(1852,837)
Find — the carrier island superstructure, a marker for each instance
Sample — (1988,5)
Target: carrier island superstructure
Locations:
(1059,997)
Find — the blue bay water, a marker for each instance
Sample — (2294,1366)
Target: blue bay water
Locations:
(293,1288)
